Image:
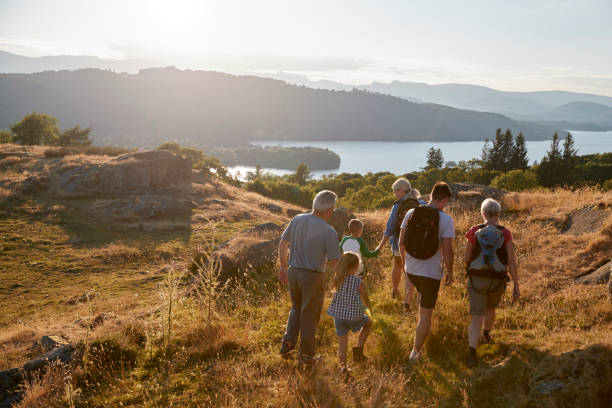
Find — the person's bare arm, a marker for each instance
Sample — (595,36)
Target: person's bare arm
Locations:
(448,254)
(382,243)
(467,255)
(363,292)
(283,251)
(516,293)
(402,248)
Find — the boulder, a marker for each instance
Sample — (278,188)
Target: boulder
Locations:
(262,254)
(99,320)
(131,173)
(547,387)
(262,228)
(33,183)
(273,208)
(340,219)
(584,220)
(471,195)
(292,213)
(600,275)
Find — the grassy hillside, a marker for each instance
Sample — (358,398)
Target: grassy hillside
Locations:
(53,254)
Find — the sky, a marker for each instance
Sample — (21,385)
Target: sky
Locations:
(509,45)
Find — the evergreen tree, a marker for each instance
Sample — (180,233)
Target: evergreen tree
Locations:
(435,160)
(520,160)
(569,151)
(551,171)
(499,156)
(506,151)
(485,156)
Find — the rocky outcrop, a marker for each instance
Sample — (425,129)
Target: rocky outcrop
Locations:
(264,228)
(340,220)
(57,350)
(146,172)
(273,208)
(586,219)
(292,212)
(600,275)
(472,195)
(262,254)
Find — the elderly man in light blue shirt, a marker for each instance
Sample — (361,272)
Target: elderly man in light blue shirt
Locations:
(313,243)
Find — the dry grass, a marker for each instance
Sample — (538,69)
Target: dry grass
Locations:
(235,361)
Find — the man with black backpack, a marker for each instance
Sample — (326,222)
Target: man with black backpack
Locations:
(426,238)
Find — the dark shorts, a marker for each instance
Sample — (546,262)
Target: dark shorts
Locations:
(428,289)
(343,326)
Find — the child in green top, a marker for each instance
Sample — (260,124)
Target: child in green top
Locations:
(354,243)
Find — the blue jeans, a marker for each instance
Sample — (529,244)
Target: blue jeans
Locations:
(307,290)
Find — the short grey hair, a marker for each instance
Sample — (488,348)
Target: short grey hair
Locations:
(490,208)
(402,184)
(324,200)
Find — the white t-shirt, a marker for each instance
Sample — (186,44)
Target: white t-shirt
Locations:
(432,267)
(352,245)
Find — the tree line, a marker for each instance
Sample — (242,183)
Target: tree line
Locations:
(42,129)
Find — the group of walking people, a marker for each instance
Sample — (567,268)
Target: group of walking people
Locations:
(421,237)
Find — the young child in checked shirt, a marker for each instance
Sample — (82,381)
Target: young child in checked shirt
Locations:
(347,308)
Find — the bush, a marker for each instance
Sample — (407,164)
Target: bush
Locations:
(516,180)
(55,152)
(607,186)
(5,136)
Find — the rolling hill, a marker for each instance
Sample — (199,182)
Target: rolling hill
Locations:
(204,108)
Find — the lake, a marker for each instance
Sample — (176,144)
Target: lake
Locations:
(404,157)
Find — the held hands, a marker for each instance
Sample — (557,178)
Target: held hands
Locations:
(282,275)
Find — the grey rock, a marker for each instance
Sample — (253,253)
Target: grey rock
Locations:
(51,342)
(33,183)
(131,173)
(96,321)
(548,387)
(262,228)
(81,299)
(600,275)
(273,208)
(292,213)
(340,219)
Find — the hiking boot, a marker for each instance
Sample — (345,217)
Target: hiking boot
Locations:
(285,349)
(344,373)
(308,363)
(395,294)
(486,338)
(358,355)
(472,359)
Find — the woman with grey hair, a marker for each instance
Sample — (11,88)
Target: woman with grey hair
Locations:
(407,198)
(489,256)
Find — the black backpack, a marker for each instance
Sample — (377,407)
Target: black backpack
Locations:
(422,229)
(402,209)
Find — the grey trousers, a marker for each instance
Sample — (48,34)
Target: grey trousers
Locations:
(307,290)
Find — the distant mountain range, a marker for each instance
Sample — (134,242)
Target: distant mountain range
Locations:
(584,111)
(203,108)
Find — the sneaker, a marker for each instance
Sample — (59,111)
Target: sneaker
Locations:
(285,349)
(414,357)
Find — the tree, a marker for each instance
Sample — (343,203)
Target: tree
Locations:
(5,136)
(75,136)
(569,151)
(551,170)
(435,160)
(36,129)
(499,155)
(520,160)
(302,174)
(171,147)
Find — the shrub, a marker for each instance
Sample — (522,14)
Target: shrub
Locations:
(516,180)
(5,136)
(607,186)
